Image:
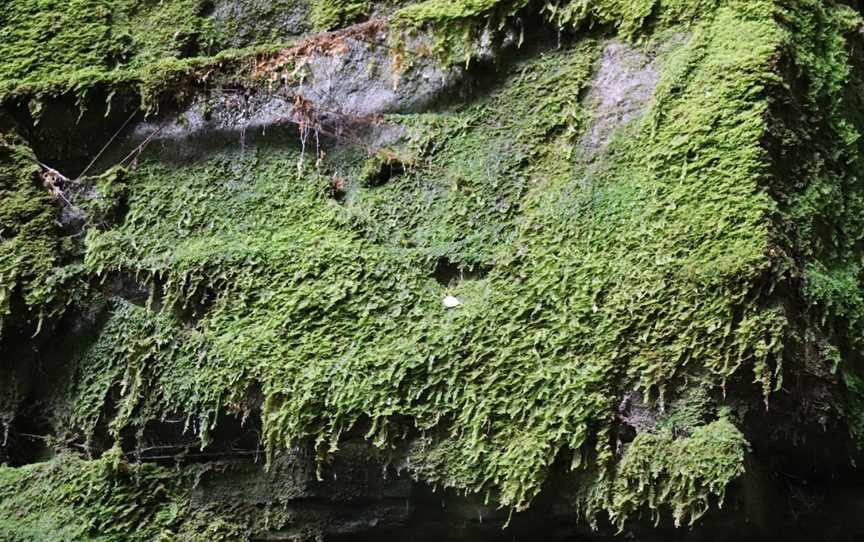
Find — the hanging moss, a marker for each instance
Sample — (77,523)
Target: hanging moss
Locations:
(460,26)
(105,500)
(334,309)
(52,47)
(679,474)
(51,43)
(644,268)
(29,236)
(822,204)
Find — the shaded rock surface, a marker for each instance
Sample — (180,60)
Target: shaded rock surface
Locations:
(245,22)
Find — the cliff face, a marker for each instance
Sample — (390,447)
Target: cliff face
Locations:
(461,270)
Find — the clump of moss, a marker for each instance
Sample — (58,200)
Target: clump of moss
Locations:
(52,48)
(107,499)
(331,14)
(382,166)
(76,499)
(459,25)
(29,235)
(50,43)
(822,199)
(660,472)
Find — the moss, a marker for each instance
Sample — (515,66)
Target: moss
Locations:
(382,166)
(334,309)
(682,475)
(51,48)
(459,25)
(105,500)
(29,236)
(822,202)
(440,12)
(83,500)
(83,40)
(854,405)
(650,267)
(461,198)
(332,14)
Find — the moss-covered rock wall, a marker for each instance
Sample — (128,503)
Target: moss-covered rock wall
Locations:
(584,267)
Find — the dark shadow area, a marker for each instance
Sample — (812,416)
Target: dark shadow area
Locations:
(383,171)
(27,439)
(173,441)
(448,273)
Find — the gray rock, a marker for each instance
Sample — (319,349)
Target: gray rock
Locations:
(339,79)
(243,22)
(619,93)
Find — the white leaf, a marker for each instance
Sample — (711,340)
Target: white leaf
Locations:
(451,302)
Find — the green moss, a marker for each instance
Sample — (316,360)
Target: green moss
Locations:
(682,475)
(29,236)
(438,11)
(459,25)
(648,267)
(823,200)
(332,14)
(50,48)
(635,272)
(105,500)
(461,198)
(854,405)
(71,499)
(383,165)
(77,42)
